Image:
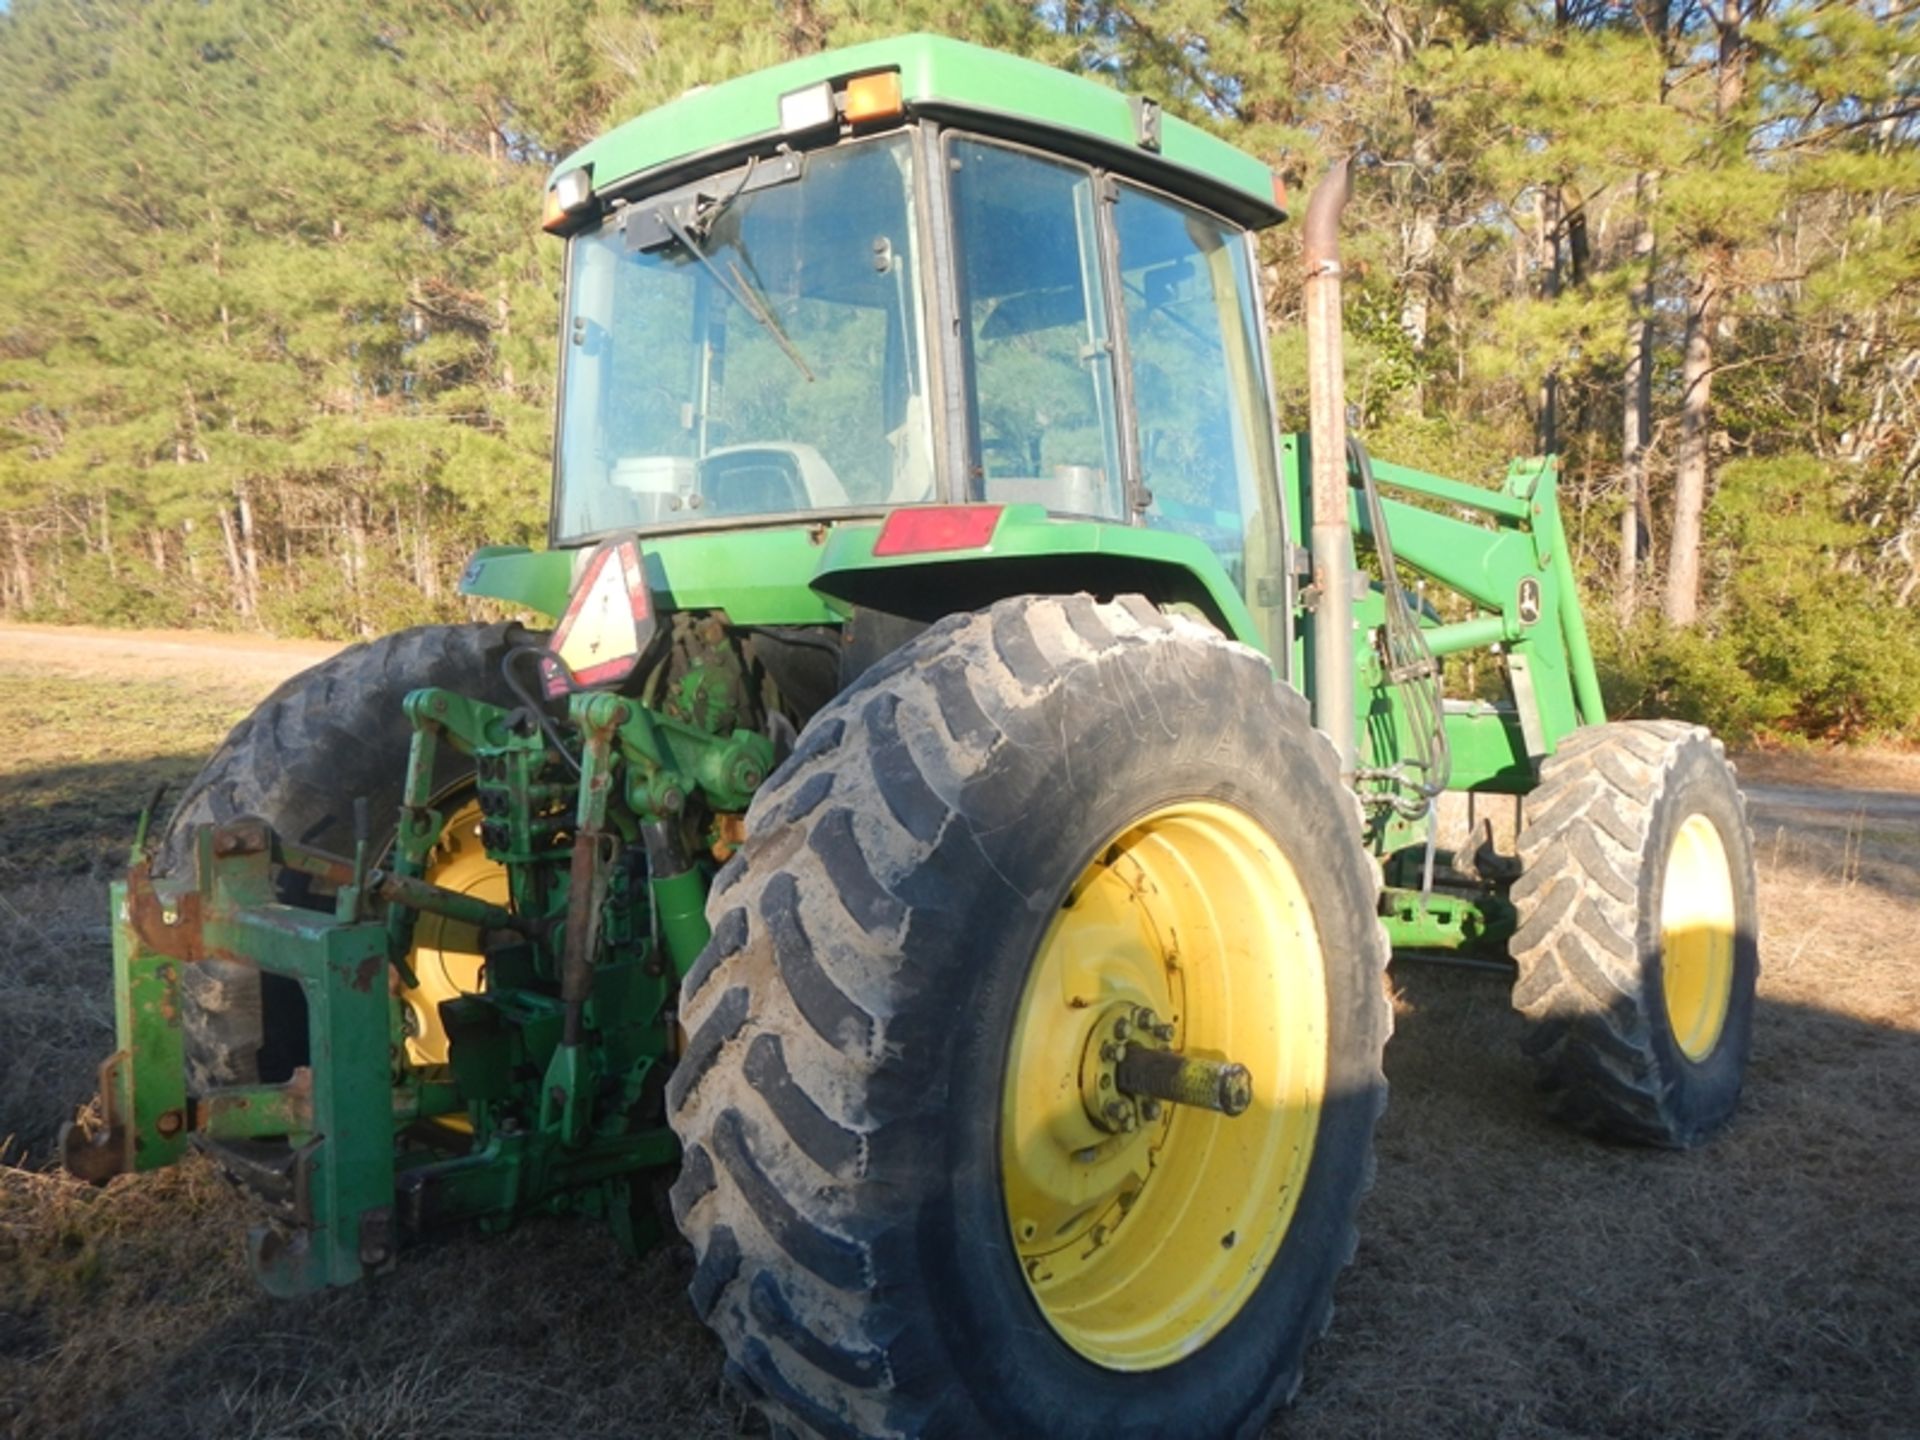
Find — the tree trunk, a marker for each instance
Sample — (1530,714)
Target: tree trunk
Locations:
(1636,407)
(426,573)
(1423,237)
(236,569)
(106,539)
(1547,211)
(249,548)
(357,562)
(22,566)
(1730,79)
(1696,372)
(503,310)
(1692,460)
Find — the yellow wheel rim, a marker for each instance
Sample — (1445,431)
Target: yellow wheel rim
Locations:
(446,955)
(1696,937)
(1141,1246)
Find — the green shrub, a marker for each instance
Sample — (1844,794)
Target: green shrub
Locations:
(1797,641)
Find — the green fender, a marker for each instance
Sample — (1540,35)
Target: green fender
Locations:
(815,572)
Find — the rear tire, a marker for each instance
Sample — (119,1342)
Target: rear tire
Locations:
(844,1098)
(331,734)
(1638,943)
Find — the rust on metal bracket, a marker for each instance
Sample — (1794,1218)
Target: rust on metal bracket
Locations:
(250,1111)
(99,1150)
(166,925)
(248,835)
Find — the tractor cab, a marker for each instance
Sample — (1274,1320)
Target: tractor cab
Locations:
(896,296)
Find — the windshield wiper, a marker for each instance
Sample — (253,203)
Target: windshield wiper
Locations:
(743,291)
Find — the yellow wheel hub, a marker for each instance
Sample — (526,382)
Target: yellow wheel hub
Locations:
(1141,1241)
(1696,937)
(446,955)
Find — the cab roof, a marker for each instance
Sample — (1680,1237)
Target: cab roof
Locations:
(947,80)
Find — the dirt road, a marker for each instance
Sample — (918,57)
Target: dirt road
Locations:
(246,659)
(154,654)
(1836,799)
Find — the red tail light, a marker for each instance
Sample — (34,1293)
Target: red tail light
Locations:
(923,528)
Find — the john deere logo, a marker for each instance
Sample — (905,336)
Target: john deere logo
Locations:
(1529,603)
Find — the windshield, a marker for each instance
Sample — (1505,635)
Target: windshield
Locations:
(754,348)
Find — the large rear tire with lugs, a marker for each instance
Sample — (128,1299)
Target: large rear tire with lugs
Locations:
(326,737)
(1031,841)
(1638,943)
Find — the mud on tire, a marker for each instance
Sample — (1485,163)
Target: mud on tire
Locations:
(838,1099)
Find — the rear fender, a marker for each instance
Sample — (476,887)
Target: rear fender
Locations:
(815,573)
(1030,552)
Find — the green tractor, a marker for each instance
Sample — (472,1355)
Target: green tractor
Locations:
(957,826)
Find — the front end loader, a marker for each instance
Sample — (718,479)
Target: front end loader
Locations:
(951,836)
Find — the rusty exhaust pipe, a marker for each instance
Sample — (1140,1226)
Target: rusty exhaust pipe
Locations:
(1330,539)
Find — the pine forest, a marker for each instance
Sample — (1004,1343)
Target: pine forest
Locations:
(277,319)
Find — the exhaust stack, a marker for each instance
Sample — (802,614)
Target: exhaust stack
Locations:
(1330,541)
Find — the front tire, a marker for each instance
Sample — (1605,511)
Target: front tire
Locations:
(1031,819)
(1638,945)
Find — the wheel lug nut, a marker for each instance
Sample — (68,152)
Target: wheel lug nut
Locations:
(1149,1110)
(1121,1029)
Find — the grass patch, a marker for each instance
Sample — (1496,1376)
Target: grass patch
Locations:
(1512,1279)
(80,757)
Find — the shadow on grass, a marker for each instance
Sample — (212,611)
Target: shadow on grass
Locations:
(81,817)
(1513,1279)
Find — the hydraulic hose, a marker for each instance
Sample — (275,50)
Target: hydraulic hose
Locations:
(1410,667)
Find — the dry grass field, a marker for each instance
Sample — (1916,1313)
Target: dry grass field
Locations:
(1512,1281)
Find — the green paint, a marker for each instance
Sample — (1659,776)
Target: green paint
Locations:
(565,1094)
(145,1080)
(1049,554)
(757,575)
(251,1112)
(342,1127)
(939,77)
(1470,635)
(812,572)
(681,903)
(1506,536)
(536,580)
(1445,921)
(567,1139)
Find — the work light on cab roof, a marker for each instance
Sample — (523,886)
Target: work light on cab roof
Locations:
(569,197)
(854,101)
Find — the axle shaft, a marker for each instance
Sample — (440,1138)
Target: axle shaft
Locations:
(1217,1085)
